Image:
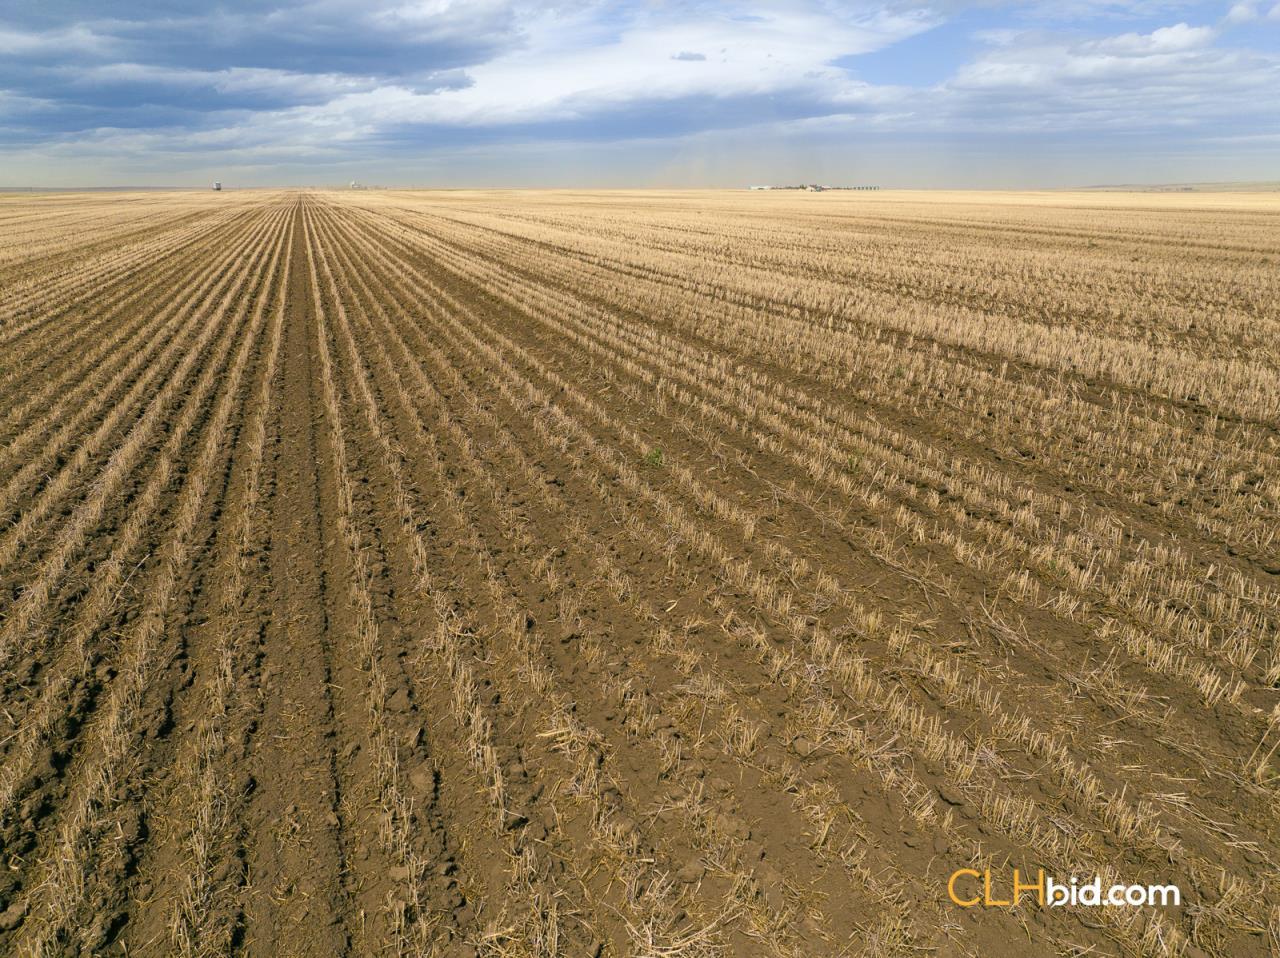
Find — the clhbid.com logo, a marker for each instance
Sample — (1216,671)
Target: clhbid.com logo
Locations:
(969,887)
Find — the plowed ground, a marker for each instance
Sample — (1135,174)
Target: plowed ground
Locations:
(636,574)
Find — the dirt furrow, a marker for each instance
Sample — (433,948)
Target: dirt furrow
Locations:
(296,855)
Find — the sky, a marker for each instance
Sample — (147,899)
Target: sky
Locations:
(638,94)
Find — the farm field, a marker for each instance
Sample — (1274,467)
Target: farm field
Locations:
(637,573)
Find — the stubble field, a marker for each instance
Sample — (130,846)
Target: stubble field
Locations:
(655,574)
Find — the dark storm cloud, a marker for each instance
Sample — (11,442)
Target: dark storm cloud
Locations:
(238,56)
(332,36)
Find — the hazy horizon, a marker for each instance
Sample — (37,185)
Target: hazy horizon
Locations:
(668,95)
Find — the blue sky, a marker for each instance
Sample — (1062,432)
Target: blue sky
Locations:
(492,93)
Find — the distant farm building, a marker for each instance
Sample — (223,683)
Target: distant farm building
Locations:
(217,184)
(812,187)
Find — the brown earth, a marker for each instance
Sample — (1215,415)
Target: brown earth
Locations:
(656,574)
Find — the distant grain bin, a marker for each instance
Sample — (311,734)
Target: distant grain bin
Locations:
(217,185)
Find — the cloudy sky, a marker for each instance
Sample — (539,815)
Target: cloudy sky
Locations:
(433,92)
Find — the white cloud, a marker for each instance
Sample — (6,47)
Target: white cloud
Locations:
(234,80)
(569,68)
(997,37)
(1177,81)
(1242,13)
(1247,12)
(75,39)
(574,68)
(1174,39)
(1036,62)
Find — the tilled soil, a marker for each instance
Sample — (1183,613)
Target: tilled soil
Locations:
(636,574)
